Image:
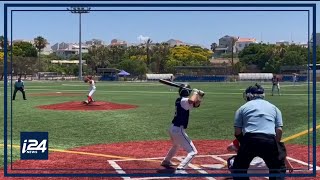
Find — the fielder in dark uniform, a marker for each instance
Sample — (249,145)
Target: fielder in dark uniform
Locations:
(19,86)
(258,127)
(183,105)
(275,84)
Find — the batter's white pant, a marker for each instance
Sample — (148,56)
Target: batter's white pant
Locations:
(180,138)
(92,91)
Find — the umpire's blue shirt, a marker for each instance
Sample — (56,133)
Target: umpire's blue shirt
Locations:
(258,116)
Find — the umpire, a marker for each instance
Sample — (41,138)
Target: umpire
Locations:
(258,127)
(19,86)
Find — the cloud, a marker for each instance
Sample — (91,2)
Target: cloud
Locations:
(142,38)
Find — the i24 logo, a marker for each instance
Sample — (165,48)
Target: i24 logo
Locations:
(32,146)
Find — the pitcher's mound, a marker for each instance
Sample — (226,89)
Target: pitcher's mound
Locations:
(94,106)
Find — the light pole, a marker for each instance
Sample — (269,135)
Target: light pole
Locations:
(80,10)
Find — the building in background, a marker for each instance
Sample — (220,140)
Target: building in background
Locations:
(66,50)
(21,40)
(282,42)
(58,46)
(317,39)
(95,42)
(226,42)
(47,50)
(226,45)
(118,42)
(175,42)
(241,43)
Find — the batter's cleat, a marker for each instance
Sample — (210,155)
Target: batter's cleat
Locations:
(167,163)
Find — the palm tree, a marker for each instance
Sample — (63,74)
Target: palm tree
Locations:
(160,55)
(165,52)
(280,50)
(233,41)
(213,47)
(40,43)
(148,43)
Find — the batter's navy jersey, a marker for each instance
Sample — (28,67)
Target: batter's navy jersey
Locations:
(181,117)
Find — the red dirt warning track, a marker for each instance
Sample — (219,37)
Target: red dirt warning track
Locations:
(94,106)
(139,157)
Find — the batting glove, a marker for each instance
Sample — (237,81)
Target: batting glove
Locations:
(201,93)
(195,91)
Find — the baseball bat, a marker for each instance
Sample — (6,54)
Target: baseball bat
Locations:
(169,83)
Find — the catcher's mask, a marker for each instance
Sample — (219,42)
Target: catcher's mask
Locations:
(253,92)
(185,92)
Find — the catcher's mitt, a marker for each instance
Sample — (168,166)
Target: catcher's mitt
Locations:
(86,80)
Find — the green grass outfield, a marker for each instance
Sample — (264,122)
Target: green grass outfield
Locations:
(150,121)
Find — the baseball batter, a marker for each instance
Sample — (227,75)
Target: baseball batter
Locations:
(92,89)
(178,136)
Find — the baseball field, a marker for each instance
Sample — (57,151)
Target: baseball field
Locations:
(125,129)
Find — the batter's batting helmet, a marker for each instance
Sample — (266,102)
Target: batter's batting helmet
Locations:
(253,92)
(185,92)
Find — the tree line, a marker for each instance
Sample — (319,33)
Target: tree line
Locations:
(24,55)
(269,58)
(149,57)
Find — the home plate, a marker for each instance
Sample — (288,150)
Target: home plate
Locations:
(213,166)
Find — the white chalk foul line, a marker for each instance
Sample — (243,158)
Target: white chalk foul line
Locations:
(151,178)
(155,158)
(303,163)
(197,169)
(118,168)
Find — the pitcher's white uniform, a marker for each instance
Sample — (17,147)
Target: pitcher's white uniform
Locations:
(92,87)
(91,91)
(178,135)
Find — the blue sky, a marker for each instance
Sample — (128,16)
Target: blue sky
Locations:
(192,27)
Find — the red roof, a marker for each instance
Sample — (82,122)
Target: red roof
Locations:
(246,40)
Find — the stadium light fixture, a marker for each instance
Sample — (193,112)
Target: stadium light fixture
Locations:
(79,10)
